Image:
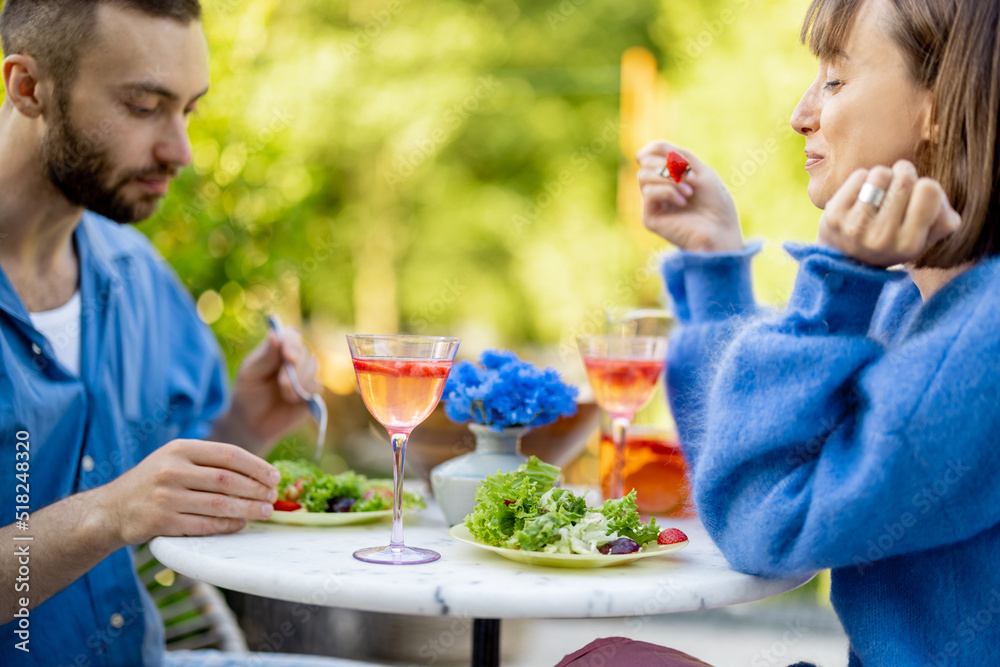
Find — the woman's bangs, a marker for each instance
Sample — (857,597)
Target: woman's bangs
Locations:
(827,25)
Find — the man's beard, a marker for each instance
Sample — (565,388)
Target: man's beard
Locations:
(81,170)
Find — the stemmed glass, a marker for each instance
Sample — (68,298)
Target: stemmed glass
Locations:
(401,379)
(623,371)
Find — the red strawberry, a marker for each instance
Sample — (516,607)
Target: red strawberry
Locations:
(403,367)
(677,166)
(671,536)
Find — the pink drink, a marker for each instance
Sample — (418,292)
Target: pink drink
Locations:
(622,386)
(401,379)
(401,393)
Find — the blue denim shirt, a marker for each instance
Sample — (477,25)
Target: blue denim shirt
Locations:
(150,372)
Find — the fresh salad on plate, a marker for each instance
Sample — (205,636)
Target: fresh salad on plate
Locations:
(524,510)
(304,487)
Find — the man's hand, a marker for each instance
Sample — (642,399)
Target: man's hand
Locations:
(265,405)
(914,215)
(188,487)
(696,214)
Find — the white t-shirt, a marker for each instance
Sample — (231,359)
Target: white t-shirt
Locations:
(62,327)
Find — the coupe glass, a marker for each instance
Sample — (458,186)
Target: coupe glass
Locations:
(623,371)
(401,379)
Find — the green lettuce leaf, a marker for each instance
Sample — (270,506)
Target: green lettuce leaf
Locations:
(316,494)
(623,519)
(504,501)
(583,537)
(558,512)
(292,471)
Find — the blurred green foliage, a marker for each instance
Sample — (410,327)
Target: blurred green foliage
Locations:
(403,158)
(401,164)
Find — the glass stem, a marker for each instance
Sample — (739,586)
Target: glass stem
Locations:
(398,459)
(619,428)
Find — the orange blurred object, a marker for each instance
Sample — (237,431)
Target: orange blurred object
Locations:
(654,467)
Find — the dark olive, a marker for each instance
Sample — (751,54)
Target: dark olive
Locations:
(622,545)
(340,504)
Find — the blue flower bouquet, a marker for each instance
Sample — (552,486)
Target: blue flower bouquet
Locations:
(501,391)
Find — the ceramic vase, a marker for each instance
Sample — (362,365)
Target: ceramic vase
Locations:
(455,481)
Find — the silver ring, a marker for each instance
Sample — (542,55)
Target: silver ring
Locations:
(871,194)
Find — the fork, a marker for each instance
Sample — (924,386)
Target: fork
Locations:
(315,402)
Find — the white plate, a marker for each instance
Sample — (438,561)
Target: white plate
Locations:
(462,534)
(328,518)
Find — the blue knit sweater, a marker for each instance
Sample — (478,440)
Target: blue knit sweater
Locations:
(858,430)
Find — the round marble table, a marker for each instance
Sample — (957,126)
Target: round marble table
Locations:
(315,566)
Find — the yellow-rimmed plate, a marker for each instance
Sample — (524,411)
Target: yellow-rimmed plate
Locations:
(462,534)
(329,518)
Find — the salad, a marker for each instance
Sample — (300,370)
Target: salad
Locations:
(304,487)
(524,510)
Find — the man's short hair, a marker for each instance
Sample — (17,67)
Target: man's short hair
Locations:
(54,32)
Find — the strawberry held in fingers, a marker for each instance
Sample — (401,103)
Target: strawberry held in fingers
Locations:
(677,165)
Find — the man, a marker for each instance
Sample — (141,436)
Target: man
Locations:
(109,382)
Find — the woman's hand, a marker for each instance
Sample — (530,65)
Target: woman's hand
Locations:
(696,214)
(914,215)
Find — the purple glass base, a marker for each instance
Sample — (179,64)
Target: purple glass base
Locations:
(396,555)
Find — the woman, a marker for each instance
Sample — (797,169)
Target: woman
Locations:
(857,430)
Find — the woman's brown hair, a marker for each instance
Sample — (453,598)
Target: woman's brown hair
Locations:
(952,48)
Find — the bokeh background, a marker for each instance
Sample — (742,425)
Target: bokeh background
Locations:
(466,168)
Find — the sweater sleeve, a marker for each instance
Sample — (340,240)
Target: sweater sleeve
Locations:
(823,448)
(712,294)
